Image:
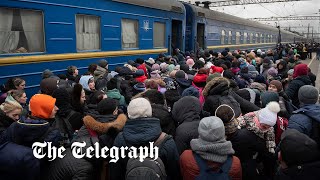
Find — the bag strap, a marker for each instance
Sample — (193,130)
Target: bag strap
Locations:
(66,121)
(203,166)
(160,139)
(227,165)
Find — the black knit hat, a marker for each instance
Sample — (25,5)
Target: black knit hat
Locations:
(297,148)
(112,84)
(107,106)
(267,97)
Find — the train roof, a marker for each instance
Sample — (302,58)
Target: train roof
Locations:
(167,5)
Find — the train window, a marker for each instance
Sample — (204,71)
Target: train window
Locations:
(129,33)
(257,38)
(230,37)
(88,32)
(245,37)
(238,35)
(21,31)
(251,38)
(266,38)
(261,38)
(223,35)
(159,31)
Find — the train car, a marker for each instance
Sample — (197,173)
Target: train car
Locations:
(208,29)
(52,34)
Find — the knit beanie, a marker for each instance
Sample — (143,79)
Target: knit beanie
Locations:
(150,61)
(211,129)
(181,74)
(139,107)
(191,91)
(155,67)
(297,148)
(226,114)
(273,71)
(163,67)
(46,74)
(277,84)
(103,63)
(41,105)
(267,97)
(308,94)
(190,62)
(155,74)
(140,87)
(139,72)
(268,115)
(290,72)
(171,68)
(107,106)
(300,70)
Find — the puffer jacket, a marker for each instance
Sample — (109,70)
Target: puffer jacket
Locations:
(115,94)
(305,120)
(186,113)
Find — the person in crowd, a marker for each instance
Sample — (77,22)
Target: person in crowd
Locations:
(139,130)
(20,97)
(88,85)
(142,65)
(48,86)
(306,119)
(182,81)
(105,128)
(199,82)
(210,152)
(285,82)
(9,113)
(284,101)
(282,70)
(114,93)
(12,84)
(47,74)
(78,98)
(140,76)
(299,157)
(300,78)
(312,77)
(186,114)
(160,111)
(72,75)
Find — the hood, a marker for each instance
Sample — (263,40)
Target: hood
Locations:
(141,131)
(27,131)
(159,111)
(184,83)
(246,76)
(312,110)
(216,86)
(186,109)
(114,94)
(305,79)
(84,82)
(99,72)
(260,86)
(102,123)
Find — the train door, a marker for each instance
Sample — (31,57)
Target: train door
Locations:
(200,35)
(176,35)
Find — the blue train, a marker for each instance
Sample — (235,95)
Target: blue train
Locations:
(53,34)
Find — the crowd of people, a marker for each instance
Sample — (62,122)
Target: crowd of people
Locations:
(235,114)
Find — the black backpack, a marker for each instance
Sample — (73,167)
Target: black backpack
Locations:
(65,128)
(149,169)
(206,172)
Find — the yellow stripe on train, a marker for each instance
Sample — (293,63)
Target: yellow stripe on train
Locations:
(75,56)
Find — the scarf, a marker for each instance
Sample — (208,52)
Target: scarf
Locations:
(251,122)
(212,151)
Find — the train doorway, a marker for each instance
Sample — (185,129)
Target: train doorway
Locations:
(176,35)
(200,35)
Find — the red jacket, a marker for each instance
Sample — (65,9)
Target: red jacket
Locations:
(190,170)
(141,78)
(143,67)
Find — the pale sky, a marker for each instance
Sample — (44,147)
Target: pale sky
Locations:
(294,8)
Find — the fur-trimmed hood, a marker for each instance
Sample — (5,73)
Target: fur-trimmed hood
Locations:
(213,85)
(102,127)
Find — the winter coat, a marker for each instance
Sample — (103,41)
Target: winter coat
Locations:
(186,113)
(246,144)
(223,89)
(190,169)
(115,94)
(18,162)
(166,121)
(141,78)
(310,171)
(5,121)
(70,167)
(182,84)
(306,120)
(139,132)
(27,131)
(294,86)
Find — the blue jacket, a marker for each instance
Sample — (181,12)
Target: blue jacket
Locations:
(17,162)
(139,132)
(303,118)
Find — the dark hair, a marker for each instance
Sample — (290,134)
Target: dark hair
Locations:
(92,68)
(71,69)
(154,96)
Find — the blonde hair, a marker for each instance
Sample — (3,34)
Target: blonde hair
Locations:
(10,106)
(16,94)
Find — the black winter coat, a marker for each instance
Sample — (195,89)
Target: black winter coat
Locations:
(5,121)
(166,120)
(310,171)
(186,113)
(294,86)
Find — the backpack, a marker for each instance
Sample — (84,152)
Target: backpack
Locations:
(64,126)
(206,172)
(229,100)
(148,169)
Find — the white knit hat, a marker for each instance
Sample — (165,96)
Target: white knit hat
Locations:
(139,107)
(268,115)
